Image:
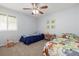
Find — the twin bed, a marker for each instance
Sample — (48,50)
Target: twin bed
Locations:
(66,45)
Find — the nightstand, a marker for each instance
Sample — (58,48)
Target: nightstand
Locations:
(48,37)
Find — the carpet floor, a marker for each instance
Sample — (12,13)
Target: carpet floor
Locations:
(21,49)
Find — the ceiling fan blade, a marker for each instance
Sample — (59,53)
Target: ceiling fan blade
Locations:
(44,7)
(35,5)
(41,12)
(27,8)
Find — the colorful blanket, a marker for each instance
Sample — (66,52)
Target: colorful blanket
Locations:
(60,46)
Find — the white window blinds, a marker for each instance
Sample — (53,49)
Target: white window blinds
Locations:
(12,23)
(3,24)
(7,23)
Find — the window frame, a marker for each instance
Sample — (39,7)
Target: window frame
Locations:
(7,24)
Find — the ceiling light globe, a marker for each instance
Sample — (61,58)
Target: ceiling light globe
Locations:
(35,11)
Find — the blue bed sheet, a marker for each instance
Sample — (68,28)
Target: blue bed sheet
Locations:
(31,39)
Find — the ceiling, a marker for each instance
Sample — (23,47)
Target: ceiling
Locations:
(52,7)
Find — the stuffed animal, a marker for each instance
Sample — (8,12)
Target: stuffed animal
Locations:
(9,44)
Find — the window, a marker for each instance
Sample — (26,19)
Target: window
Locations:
(7,23)
(12,23)
(3,24)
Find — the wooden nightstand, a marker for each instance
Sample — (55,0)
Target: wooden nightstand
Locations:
(49,36)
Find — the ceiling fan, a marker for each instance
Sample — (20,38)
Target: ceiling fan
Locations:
(36,9)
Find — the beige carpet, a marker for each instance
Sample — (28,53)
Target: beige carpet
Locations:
(20,49)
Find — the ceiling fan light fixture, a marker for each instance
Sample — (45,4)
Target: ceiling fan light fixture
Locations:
(35,11)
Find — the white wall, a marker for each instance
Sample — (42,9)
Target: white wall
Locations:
(26,25)
(66,21)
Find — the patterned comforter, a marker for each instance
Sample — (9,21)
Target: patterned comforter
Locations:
(62,47)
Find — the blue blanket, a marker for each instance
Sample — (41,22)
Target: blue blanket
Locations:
(31,39)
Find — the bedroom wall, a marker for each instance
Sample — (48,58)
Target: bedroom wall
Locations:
(26,25)
(66,21)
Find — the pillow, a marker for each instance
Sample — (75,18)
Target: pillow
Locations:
(34,34)
(71,36)
(61,36)
(26,35)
